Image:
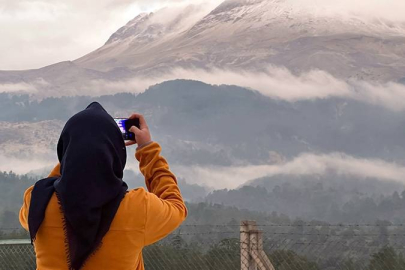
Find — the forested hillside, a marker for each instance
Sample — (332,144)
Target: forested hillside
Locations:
(350,201)
(332,199)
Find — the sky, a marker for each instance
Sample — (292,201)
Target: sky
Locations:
(36,33)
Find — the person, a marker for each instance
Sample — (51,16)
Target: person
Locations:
(83,216)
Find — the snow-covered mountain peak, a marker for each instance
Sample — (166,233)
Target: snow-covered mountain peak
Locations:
(147,27)
(247,14)
(283,18)
(133,28)
(237,9)
(252,34)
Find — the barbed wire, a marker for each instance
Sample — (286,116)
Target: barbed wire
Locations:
(268,232)
(299,225)
(274,225)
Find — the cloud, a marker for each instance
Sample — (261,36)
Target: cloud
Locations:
(180,17)
(391,10)
(304,164)
(234,176)
(390,95)
(274,82)
(385,9)
(278,83)
(17,87)
(33,87)
(23,166)
(45,159)
(100,87)
(158,4)
(43,32)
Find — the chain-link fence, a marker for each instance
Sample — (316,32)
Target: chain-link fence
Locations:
(16,254)
(335,247)
(298,246)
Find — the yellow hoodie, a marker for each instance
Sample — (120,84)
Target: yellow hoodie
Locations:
(143,218)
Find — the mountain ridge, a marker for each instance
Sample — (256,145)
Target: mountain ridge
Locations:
(253,34)
(238,36)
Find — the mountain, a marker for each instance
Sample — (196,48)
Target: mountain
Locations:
(252,34)
(205,129)
(237,35)
(329,158)
(201,124)
(332,198)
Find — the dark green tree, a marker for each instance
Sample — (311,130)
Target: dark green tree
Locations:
(387,259)
(224,255)
(287,260)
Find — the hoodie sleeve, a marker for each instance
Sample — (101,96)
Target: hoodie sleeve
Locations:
(55,171)
(27,199)
(24,209)
(165,208)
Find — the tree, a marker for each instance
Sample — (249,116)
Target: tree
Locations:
(287,260)
(9,220)
(224,255)
(387,259)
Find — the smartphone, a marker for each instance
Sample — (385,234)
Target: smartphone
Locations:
(125,124)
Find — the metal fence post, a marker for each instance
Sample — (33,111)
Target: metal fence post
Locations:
(247,261)
(263,257)
(252,254)
(244,246)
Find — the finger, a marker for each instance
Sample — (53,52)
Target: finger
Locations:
(133,116)
(129,143)
(134,129)
(142,121)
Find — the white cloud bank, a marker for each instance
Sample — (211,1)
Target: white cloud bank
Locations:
(23,166)
(304,164)
(232,177)
(24,87)
(278,83)
(17,87)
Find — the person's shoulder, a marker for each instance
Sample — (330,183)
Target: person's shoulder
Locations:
(138,195)
(134,201)
(131,212)
(134,191)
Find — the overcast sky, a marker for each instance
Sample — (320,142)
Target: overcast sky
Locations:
(35,33)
